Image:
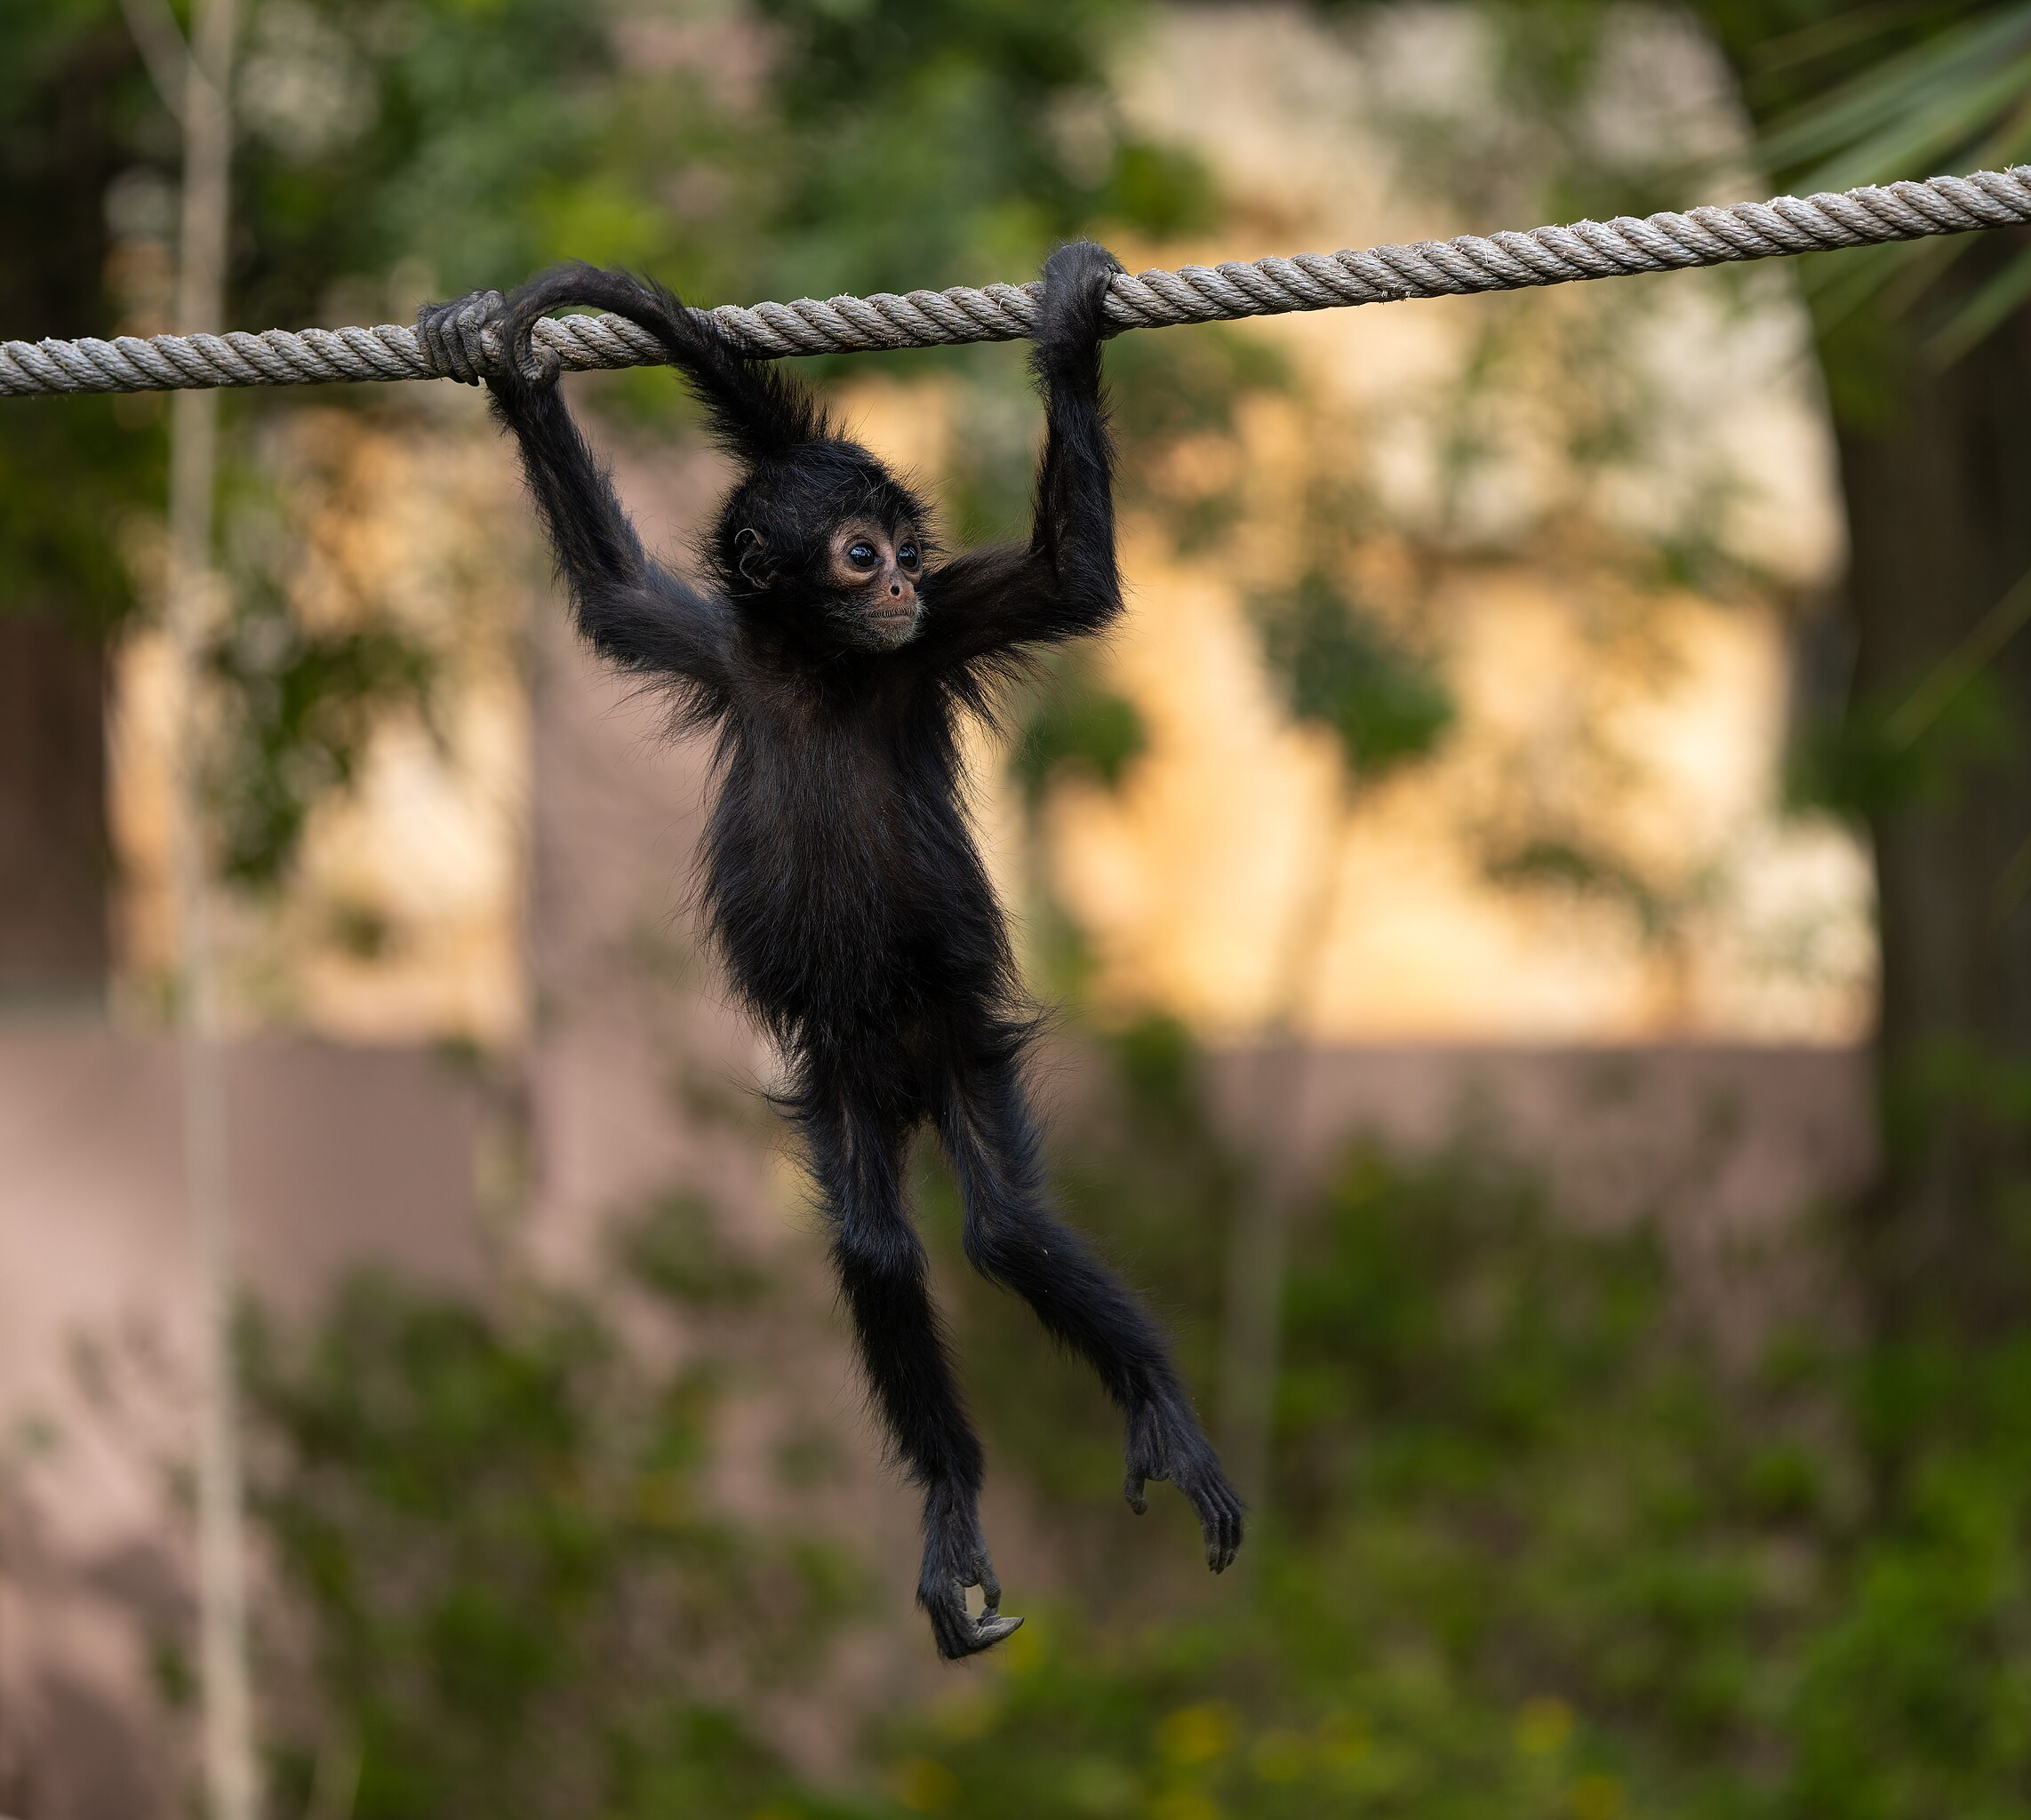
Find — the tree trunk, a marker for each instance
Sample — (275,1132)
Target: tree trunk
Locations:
(60,584)
(54,851)
(1938,498)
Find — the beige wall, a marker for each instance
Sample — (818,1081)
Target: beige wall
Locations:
(338,1156)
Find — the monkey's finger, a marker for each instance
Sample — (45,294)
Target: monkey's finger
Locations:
(1219,1524)
(1131,1489)
(958,1633)
(1219,1511)
(950,1622)
(991,1629)
(990,1590)
(429,331)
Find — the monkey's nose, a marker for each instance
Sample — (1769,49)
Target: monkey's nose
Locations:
(895,590)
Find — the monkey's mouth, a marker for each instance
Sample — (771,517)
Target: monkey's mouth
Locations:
(892,625)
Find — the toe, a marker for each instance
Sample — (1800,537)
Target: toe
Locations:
(990,1590)
(1219,1523)
(952,1627)
(990,1628)
(960,1635)
(944,1603)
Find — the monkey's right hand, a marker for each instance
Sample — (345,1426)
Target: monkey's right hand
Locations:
(452,339)
(449,333)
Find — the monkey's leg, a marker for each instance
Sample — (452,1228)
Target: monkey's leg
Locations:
(882,1270)
(1014,1239)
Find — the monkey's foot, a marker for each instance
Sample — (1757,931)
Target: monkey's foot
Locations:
(1165,1442)
(956,1558)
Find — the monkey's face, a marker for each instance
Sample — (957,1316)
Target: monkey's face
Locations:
(824,549)
(874,571)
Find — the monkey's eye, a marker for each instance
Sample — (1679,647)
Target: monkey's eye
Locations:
(862,555)
(907,555)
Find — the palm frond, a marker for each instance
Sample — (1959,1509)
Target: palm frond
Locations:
(1958,97)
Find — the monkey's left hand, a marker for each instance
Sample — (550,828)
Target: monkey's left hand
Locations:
(1073,313)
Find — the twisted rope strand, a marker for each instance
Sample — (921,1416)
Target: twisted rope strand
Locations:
(1472,262)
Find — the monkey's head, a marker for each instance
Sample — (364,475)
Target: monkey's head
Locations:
(823,545)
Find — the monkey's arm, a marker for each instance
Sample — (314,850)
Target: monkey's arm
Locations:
(630,609)
(1065,583)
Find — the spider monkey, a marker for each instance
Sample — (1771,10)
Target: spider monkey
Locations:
(833,654)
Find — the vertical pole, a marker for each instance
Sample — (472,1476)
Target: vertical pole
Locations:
(228,1755)
(1259,1258)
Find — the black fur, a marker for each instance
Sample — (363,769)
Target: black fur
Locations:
(839,872)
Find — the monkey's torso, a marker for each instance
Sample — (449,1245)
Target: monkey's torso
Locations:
(841,873)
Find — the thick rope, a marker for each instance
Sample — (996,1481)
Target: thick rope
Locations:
(1668,242)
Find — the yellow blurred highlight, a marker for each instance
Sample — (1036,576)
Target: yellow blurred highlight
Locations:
(1344,1739)
(1543,1726)
(1598,1798)
(1023,1653)
(1183,1804)
(1197,1734)
(1280,1755)
(925,1785)
(967,1714)
(663,1500)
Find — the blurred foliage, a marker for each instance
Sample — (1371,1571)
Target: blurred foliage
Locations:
(1513,130)
(1079,727)
(515,1596)
(1573,863)
(1866,760)
(307,704)
(1850,95)
(1343,669)
(459,139)
(955,138)
(671,1252)
(1926,87)
(1536,1549)
(1535,1545)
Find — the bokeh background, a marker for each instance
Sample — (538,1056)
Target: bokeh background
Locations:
(1537,891)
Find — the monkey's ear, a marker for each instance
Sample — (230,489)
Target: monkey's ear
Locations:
(752,557)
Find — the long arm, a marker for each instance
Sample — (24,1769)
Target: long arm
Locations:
(1065,583)
(630,609)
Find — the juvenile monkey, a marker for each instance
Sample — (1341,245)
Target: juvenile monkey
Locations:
(833,651)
